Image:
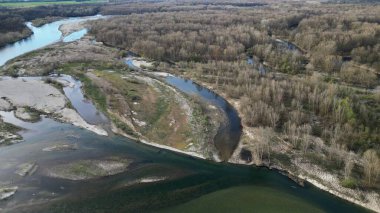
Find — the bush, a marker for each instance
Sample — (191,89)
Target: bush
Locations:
(357,76)
(349,183)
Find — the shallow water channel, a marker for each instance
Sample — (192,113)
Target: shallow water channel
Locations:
(155,180)
(43,36)
(229,133)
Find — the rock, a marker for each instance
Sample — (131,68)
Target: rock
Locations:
(152,179)
(7,192)
(23,114)
(7,136)
(5,105)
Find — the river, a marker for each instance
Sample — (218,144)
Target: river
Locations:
(41,37)
(156,179)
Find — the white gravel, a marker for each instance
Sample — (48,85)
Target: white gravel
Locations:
(32,93)
(43,97)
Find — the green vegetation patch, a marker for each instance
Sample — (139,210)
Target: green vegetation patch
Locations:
(91,90)
(349,183)
(124,127)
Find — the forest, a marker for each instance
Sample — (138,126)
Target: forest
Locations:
(310,81)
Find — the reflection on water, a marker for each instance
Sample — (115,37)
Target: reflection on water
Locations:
(229,133)
(82,105)
(180,179)
(42,36)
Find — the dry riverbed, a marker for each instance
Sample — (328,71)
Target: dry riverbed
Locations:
(41,97)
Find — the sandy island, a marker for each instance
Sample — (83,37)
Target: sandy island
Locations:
(40,96)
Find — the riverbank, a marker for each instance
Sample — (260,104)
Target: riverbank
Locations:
(296,171)
(41,97)
(235,103)
(12,37)
(147,109)
(317,177)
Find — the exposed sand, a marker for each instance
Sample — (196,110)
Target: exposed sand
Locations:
(71,27)
(71,116)
(194,154)
(5,105)
(36,94)
(32,93)
(141,63)
(7,192)
(68,28)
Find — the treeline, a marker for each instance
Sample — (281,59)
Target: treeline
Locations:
(328,40)
(332,35)
(198,36)
(279,102)
(123,8)
(12,25)
(229,36)
(302,110)
(307,107)
(139,7)
(353,1)
(182,36)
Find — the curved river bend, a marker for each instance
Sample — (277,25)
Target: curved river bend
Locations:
(156,180)
(41,37)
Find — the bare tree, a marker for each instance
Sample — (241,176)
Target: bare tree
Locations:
(261,146)
(348,165)
(371,164)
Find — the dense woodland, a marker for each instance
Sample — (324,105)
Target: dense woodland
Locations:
(336,45)
(12,25)
(319,89)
